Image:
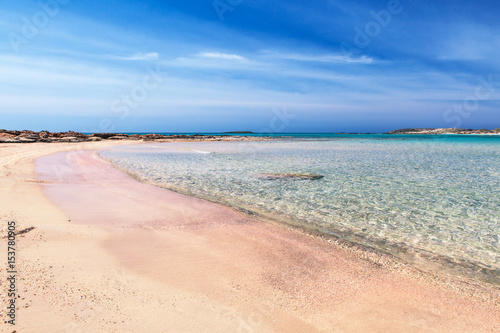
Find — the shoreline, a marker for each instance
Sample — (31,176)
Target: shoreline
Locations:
(418,258)
(428,262)
(291,280)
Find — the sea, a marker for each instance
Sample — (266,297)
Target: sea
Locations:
(412,196)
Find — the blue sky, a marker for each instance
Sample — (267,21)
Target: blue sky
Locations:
(280,66)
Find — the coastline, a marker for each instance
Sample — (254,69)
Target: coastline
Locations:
(394,252)
(268,277)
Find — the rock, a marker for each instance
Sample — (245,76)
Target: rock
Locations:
(150,137)
(30,136)
(103,135)
(26,139)
(7,136)
(289,176)
(72,134)
(69,139)
(9,141)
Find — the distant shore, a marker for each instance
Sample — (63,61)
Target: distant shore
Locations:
(444,131)
(27,136)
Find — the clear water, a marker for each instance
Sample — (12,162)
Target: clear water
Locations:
(436,193)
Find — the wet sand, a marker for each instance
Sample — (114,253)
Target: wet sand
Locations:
(111,254)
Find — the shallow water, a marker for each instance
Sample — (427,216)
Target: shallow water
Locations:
(436,193)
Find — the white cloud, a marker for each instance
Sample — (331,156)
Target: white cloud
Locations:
(142,56)
(362,59)
(218,55)
(325,58)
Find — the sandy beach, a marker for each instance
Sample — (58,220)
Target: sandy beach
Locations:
(111,254)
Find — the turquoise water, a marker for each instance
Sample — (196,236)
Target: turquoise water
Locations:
(439,194)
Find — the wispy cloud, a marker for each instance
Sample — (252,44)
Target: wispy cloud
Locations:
(142,56)
(332,58)
(225,56)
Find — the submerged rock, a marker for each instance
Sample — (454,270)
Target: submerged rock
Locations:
(289,176)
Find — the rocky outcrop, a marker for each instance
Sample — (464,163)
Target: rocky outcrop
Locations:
(26,136)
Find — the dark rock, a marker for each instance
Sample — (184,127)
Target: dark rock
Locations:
(289,176)
(103,135)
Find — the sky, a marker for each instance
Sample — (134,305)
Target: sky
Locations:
(262,66)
